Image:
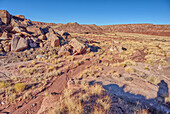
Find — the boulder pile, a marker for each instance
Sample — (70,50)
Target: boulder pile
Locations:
(18,33)
(75,46)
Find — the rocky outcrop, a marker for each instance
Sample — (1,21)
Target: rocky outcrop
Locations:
(20,16)
(117,47)
(22,44)
(19,29)
(78,46)
(18,43)
(32,43)
(42,37)
(64,50)
(0,22)
(36,31)
(55,41)
(4,36)
(7,47)
(20,21)
(14,42)
(5,16)
(1,47)
(75,46)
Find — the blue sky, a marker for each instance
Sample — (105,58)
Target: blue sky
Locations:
(100,12)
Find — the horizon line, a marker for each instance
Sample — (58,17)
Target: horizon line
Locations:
(106,24)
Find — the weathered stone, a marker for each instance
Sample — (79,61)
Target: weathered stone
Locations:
(25,34)
(47,35)
(8,28)
(7,48)
(18,29)
(117,47)
(4,42)
(40,56)
(66,35)
(61,32)
(79,47)
(33,45)
(26,22)
(55,42)
(128,78)
(64,50)
(51,30)
(34,30)
(20,16)
(14,42)
(1,47)
(42,37)
(22,44)
(41,45)
(30,40)
(4,36)
(15,22)
(0,22)
(36,40)
(5,16)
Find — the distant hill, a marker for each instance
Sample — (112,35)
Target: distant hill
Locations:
(151,29)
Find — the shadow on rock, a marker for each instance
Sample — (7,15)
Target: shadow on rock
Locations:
(94,48)
(162,91)
(155,105)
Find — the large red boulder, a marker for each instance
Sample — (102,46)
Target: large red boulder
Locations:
(14,42)
(20,20)
(20,16)
(22,44)
(78,46)
(18,43)
(36,31)
(19,29)
(64,50)
(55,41)
(5,16)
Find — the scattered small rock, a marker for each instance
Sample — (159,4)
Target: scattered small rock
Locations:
(128,78)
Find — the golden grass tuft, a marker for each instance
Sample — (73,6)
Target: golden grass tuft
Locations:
(4,84)
(96,89)
(116,74)
(19,87)
(153,80)
(75,101)
(105,102)
(129,70)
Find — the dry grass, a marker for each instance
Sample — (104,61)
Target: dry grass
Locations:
(141,111)
(153,80)
(4,84)
(97,89)
(51,68)
(167,99)
(129,70)
(19,87)
(75,101)
(124,63)
(105,102)
(116,74)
